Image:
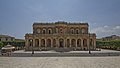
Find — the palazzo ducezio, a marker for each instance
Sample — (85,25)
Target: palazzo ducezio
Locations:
(48,36)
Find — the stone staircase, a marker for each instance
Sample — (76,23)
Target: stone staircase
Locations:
(62,49)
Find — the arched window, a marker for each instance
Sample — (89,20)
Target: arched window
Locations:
(38,30)
(44,31)
(83,30)
(48,42)
(73,43)
(72,31)
(77,31)
(91,42)
(36,42)
(84,42)
(79,42)
(68,43)
(31,42)
(43,43)
(49,31)
(61,30)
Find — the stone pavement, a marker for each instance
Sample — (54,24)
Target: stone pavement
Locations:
(60,62)
(103,52)
(21,59)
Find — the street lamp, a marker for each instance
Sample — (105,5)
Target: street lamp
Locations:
(89,44)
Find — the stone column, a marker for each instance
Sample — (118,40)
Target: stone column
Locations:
(56,30)
(45,42)
(33,42)
(70,42)
(39,42)
(76,42)
(64,43)
(51,43)
(57,42)
(82,44)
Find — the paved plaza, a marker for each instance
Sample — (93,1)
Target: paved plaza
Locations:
(60,62)
(52,53)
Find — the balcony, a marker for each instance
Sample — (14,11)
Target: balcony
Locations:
(61,34)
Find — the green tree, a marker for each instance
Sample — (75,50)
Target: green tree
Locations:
(1,45)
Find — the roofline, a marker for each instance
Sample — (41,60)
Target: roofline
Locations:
(60,22)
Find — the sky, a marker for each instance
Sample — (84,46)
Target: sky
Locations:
(17,16)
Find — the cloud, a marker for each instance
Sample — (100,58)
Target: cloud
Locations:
(106,26)
(117,27)
(106,30)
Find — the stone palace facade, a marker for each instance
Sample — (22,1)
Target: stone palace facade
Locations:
(48,36)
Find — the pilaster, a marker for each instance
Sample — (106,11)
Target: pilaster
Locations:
(82,44)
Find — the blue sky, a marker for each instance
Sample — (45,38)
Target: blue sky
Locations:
(17,16)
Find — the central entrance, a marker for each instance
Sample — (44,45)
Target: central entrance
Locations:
(61,43)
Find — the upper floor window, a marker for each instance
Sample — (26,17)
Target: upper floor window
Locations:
(49,31)
(77,31)
(72,31)
(83,30)
(38,30)
(44,31)
(61,31)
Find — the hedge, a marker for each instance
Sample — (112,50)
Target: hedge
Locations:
(108,44)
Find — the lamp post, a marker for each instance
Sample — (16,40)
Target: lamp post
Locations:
(89,44)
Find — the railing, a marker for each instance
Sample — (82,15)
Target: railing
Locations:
(58,34)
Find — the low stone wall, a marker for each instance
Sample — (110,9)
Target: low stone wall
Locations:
(62,54)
